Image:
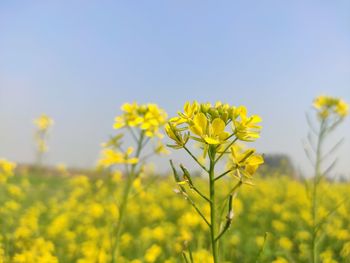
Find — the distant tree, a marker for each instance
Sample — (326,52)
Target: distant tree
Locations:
(278,164)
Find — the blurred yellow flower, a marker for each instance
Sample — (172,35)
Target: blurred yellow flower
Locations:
(285,243)
(245,162)
(326,106)
(6,170)
(148,117)
(246,128)
(280,260)
(111,157)
(44,122)
(152,253)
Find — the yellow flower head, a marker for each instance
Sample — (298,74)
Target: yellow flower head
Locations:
(6,170)
(210,132)
(44,122)
(327,106)
(174,134)
(208,123)
(244,163)
(111,157)
(161,148)
(152,253)
(245,127)
(148,117)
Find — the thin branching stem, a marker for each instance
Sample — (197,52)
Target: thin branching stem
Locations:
(124,200)
(187,197)
(200,194)
(195,158)
(223,174)
(191,184)
(212,152)
(224,151)
(316,181)
(229,218)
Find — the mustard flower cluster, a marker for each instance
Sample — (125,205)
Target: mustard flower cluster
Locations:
(244,162)
(6,170)
(142,122)
(208,124)
(148,117)
(327,106)
(112,157)
(43,124)
(220,125)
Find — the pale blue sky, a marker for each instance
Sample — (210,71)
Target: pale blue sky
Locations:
(78,61)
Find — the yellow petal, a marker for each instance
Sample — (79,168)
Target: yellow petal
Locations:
(200,124)
(129,150)
(210,140)
(255,119)
(132,160)
(218,126)
(256,160)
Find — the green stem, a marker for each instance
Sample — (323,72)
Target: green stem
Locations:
(187,197)
(212,204)
(227,147)
(223,174)
(125,197)
(229,217)
(316,180)
(194,158)
(191,184)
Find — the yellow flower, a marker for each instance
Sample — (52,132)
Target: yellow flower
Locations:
(161,149)
(345,252)
(153,119)
(44,122)
(208,124)
(147,117)
(246,128)
(174,134)
(202,256)
(246,161)
(327,256)
(280,260)
(130,116)
(211,132)
(190,109)
(6,170)
(285,243)
(14,190)
(111,157)
(330,106)
(342,108)
(153,253)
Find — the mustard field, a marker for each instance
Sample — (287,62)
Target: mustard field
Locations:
(70,218)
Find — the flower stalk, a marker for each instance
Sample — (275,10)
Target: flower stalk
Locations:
(212,204)
(43,124)
(130,177)
(330,113)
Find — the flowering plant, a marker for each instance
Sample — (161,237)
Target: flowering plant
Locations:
(43,124)
(218,129)
(330,112)
(143,123)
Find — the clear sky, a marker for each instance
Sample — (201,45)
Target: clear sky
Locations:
(78,61)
